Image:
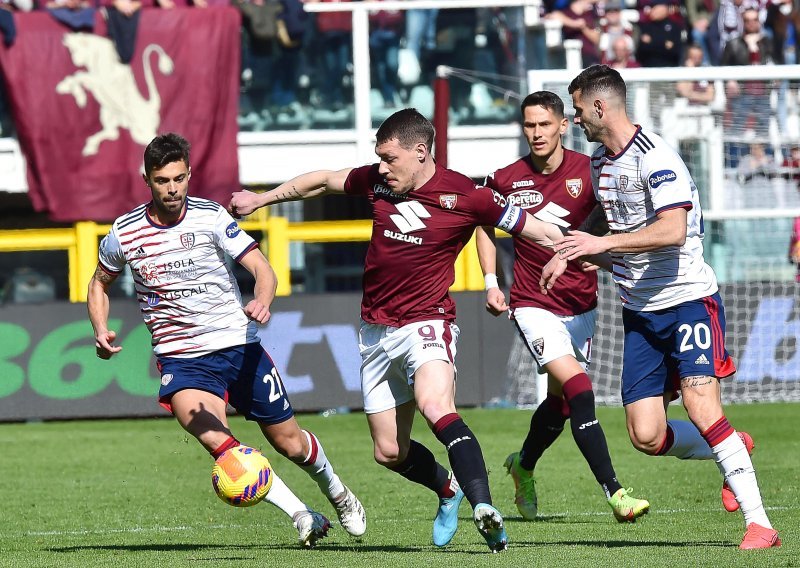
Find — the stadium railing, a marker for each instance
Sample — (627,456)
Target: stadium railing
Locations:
(81,243)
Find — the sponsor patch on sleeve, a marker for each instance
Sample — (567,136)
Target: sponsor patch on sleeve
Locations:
(232,230)
(661,176)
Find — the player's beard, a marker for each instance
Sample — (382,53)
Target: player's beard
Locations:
(169,210)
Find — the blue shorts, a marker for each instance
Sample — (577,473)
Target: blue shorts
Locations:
(244,376)
(664,346)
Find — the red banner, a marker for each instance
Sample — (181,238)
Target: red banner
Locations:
(84,119)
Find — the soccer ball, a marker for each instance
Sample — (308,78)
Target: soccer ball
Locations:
(241,476)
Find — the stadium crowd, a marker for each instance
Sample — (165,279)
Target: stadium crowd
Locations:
(297,66)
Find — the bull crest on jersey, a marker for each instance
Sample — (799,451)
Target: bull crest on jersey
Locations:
(574,186)
(187,240)
(538,346)
(448,201)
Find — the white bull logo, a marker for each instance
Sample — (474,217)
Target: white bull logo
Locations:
(113,86)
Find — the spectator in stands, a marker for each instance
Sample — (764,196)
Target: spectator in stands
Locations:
(622,49)
(335,33)
(661,37)
(260,24)
(421,31)
(755,165)
(748,101)
(77,15)
(725,25)
(699,14)
(794,247)
(122,20)
(578,21)
(288,61)
(9,32)
(386,29)
(791,165)
(783,22)
(455,47)
(696,92)
(612,26)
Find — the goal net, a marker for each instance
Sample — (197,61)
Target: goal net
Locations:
(744,156)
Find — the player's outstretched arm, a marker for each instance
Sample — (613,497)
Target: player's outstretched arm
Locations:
(304,186)
(256,264)
(98,304)
(487,257)
(669,229)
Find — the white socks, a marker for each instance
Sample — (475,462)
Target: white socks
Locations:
(736,466)
(282,497)
(320,469)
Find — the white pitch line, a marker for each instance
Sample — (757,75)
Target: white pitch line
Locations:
(133,530)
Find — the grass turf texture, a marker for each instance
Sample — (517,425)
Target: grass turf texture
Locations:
(138,493)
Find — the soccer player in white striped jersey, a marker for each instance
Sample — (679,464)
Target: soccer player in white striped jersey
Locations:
(204,339)
(673,317)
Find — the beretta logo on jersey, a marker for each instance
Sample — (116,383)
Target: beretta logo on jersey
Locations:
(660,177)
(574,186)
(526,198)
(232,230)
(379,189)
(187,240)
(448,201)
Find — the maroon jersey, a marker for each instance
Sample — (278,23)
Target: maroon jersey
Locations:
(564,198)
(416,238)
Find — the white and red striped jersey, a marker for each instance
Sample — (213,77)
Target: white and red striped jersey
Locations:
(188,296)
(634,186)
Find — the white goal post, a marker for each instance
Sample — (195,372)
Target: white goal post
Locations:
(748,205)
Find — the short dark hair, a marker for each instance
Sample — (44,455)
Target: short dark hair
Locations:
(409,127)
(165,149)
(599,78)
(544,99)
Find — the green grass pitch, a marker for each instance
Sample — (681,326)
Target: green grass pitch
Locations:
(138,493)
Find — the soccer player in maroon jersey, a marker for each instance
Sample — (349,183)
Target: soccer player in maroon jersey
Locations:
(423,215)
(552,184)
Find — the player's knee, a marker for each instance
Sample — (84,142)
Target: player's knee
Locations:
(388,455)
(646,444)
(290,447)
(646,439)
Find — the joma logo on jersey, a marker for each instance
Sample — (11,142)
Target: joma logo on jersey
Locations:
(525,199)
(660,177)
(574,186)
(522,183)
